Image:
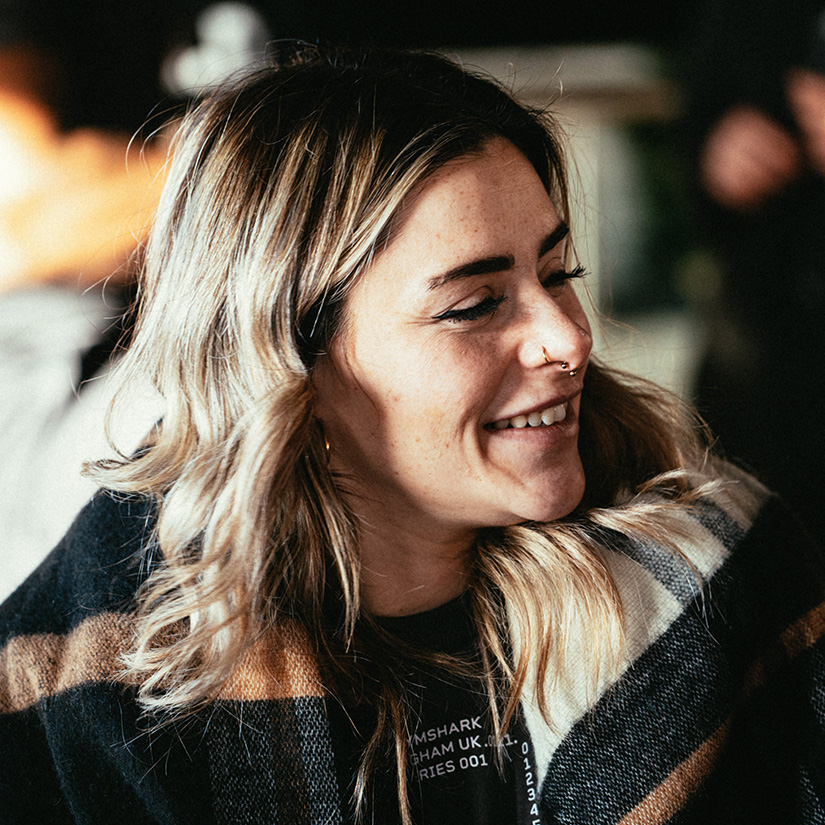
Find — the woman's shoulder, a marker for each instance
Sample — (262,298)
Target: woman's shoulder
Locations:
(70,622)
(724,628)
(727,511)
(743,517)
(95,569)
(736,546)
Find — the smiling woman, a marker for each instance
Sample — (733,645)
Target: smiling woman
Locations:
(401,549)
(436,376)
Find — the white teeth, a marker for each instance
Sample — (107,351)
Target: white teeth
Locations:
(545,418)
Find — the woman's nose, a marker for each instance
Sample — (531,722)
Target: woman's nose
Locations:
(556,335)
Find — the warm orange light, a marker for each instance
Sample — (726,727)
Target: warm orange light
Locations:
(71,205)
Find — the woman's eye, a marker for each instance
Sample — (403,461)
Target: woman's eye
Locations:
(557,280)
(554,282)
(487,306)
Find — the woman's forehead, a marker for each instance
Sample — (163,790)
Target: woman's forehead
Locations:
(468,193)
(480,207)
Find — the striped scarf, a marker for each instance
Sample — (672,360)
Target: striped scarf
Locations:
(717,715)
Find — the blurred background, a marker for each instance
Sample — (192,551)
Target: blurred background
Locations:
(697,138)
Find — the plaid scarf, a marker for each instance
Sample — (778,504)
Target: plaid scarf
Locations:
(717,715)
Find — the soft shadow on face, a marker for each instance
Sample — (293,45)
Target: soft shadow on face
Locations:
(462,325)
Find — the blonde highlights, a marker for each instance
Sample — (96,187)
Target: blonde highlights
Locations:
(281,189)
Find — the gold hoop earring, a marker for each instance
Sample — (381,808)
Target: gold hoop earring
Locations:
(324,437)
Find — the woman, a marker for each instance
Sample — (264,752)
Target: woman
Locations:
(400,549)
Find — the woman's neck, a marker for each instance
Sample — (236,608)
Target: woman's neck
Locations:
(403,574)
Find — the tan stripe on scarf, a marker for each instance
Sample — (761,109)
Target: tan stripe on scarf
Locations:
(660,805)
(671,795)
(35,666)
(43,664)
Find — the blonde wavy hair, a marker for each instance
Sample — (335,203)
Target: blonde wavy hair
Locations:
(282,186)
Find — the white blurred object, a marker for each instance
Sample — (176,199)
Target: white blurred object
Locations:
(48,429)
(230,36)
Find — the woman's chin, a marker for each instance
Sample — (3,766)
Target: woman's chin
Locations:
(549,506)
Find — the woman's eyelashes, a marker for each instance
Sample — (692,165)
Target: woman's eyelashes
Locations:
(557,280)
(487,306)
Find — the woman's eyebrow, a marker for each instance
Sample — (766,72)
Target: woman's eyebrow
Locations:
(483,266)
(496,263)
(554,239)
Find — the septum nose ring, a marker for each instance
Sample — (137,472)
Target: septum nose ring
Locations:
(564,365)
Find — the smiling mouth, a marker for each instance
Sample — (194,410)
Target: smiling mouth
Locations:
(540,418)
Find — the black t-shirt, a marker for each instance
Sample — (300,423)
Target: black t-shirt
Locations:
(454,775)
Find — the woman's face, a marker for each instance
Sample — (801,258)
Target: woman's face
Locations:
(441,356)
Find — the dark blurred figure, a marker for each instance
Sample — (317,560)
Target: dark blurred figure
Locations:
(756,80)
